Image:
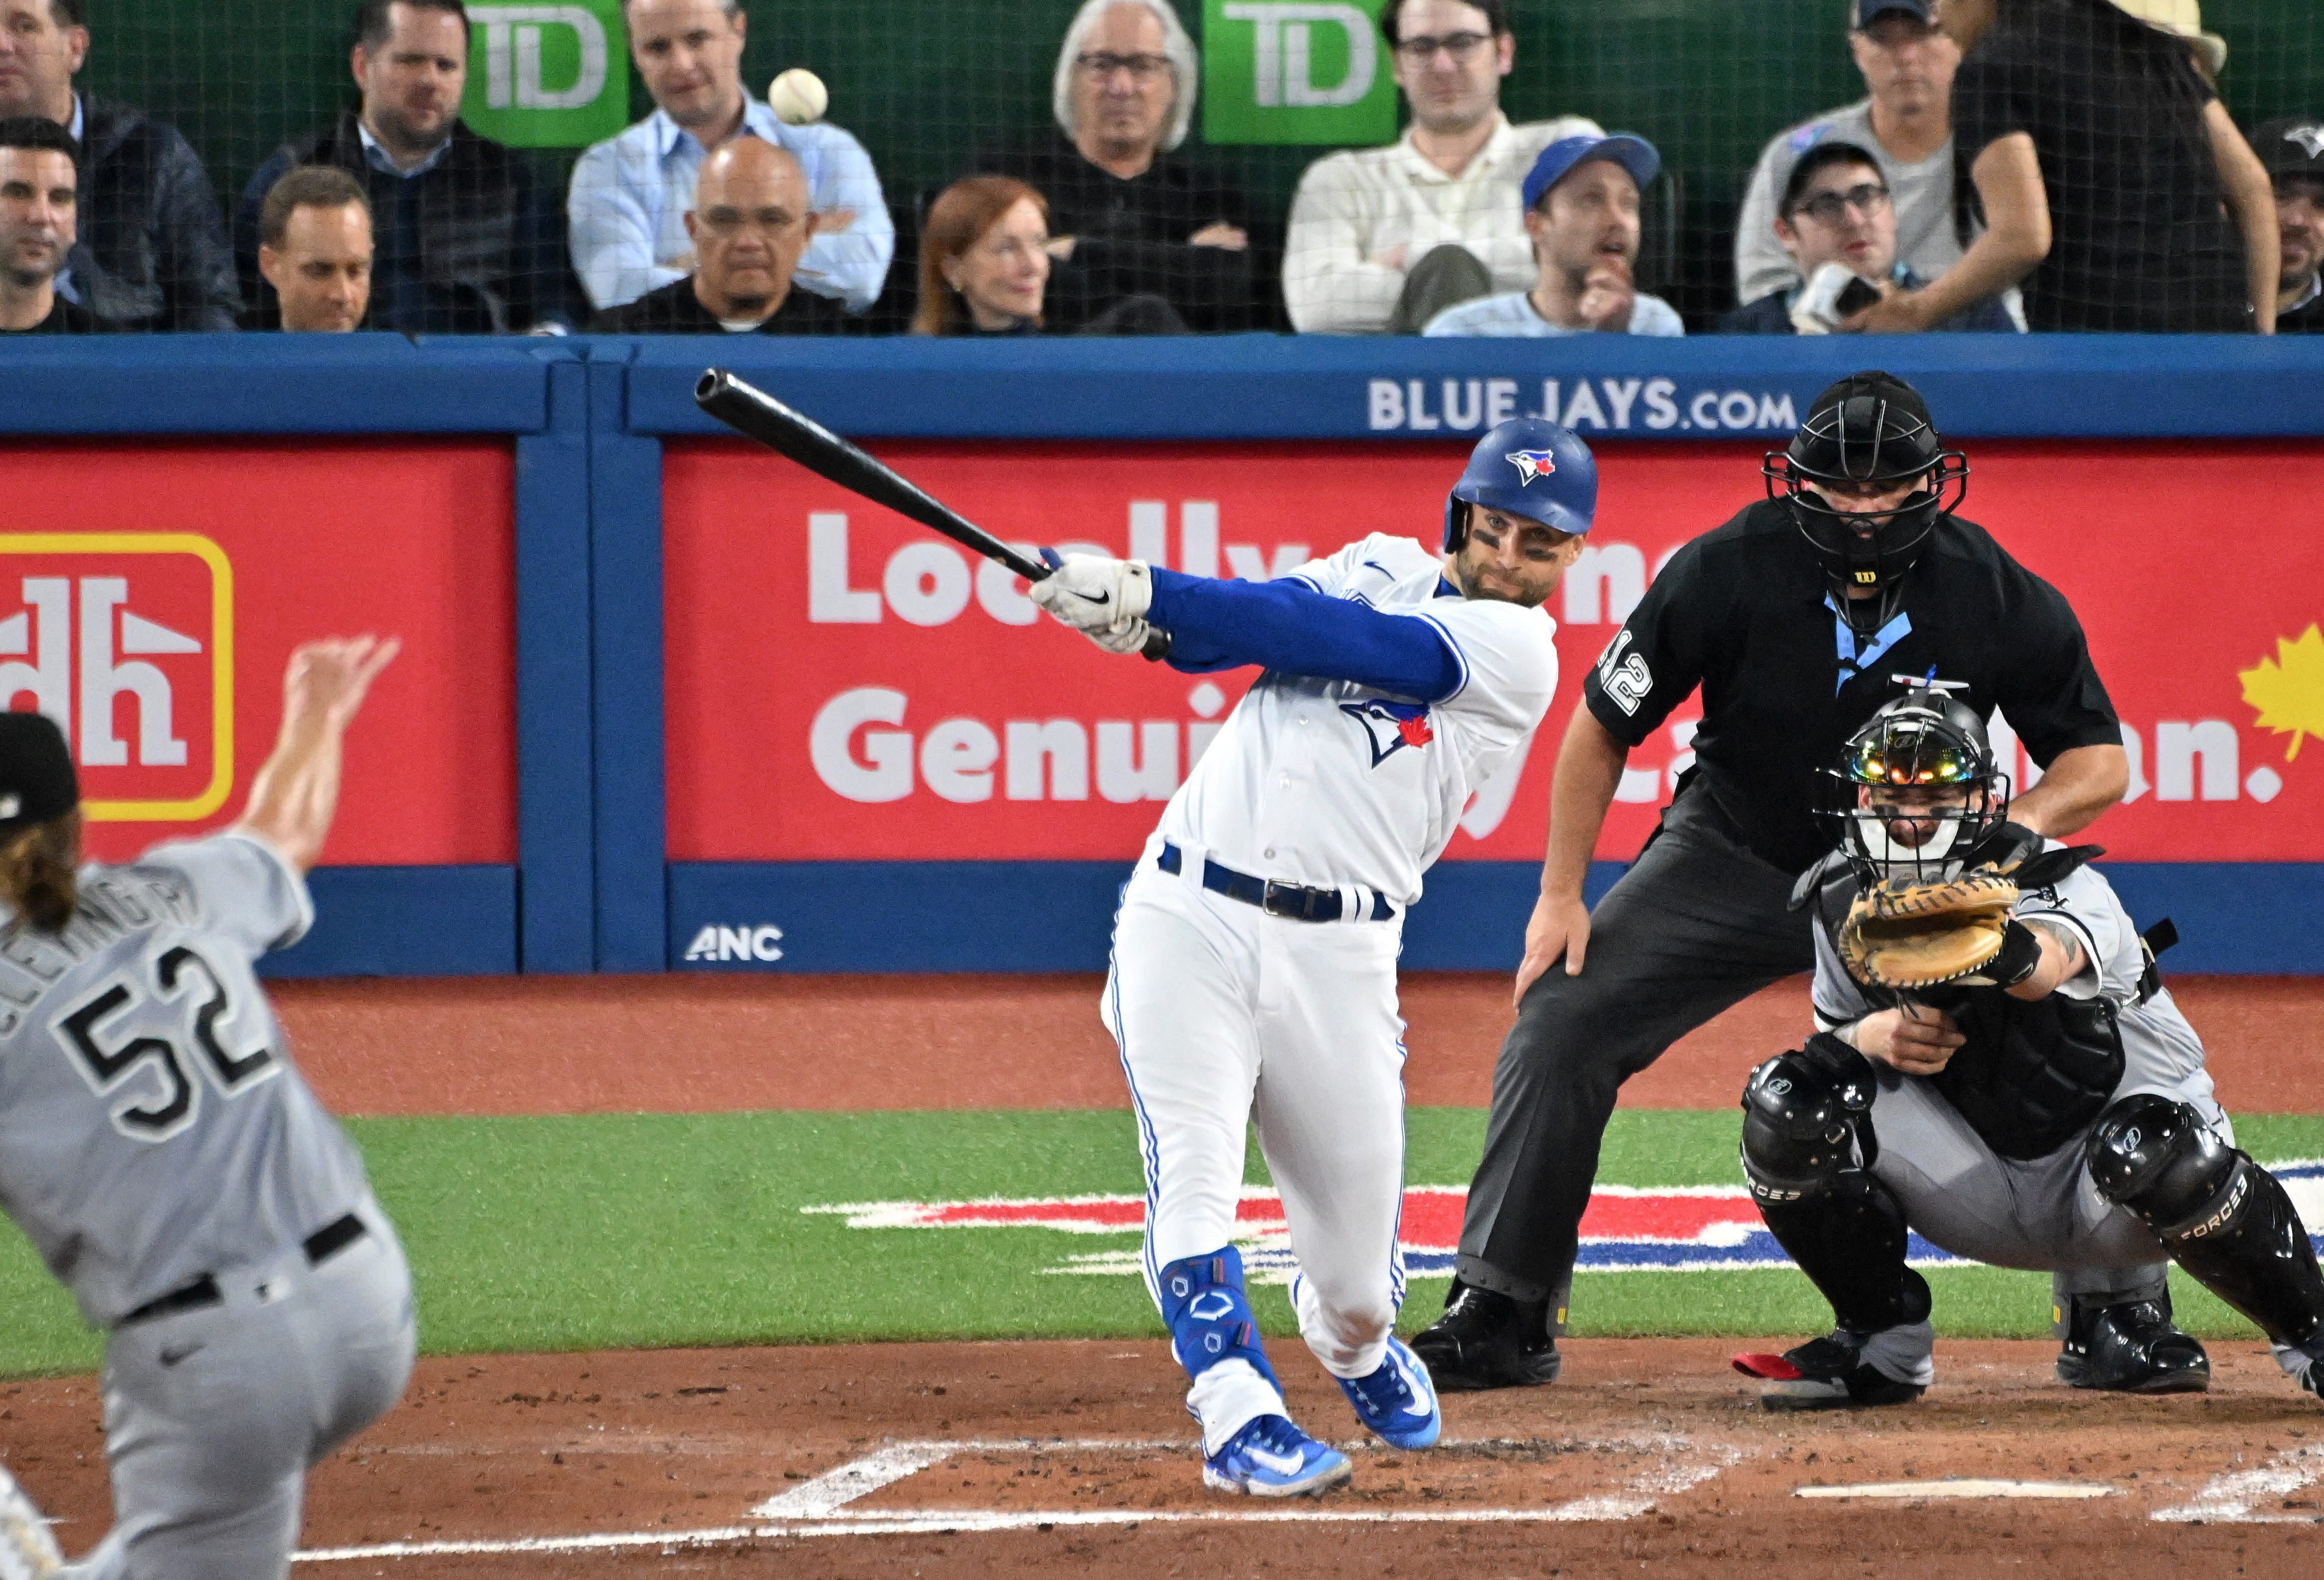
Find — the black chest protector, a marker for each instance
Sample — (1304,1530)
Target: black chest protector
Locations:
(2030,1075)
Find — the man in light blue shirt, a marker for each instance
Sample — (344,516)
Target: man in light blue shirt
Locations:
(631,193)
(1582,216)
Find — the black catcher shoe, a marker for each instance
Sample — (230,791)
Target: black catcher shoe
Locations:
(2132,1348)
(1825,1374)
(1488,1340)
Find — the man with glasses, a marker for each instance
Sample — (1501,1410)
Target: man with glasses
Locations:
(1906,125)
(1836,208)
(631,193)
(1384,239)
(1125,218)
(749,226)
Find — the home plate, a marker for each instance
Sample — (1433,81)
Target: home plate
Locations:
(1962,1487)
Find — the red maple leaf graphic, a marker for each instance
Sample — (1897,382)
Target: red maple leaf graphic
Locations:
(1415,731)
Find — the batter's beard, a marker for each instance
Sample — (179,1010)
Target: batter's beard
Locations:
(1472,588)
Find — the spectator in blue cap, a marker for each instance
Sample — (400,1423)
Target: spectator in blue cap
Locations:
(1581,216)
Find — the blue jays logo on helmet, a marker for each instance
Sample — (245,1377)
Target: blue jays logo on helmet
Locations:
(1532,464)
(1528,467)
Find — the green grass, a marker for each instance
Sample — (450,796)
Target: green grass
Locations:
(650,1230)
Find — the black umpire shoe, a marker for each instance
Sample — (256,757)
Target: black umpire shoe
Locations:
(1488,1340)
(2132,1348)
(1825,1374)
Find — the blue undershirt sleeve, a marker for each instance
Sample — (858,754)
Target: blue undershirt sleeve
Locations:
(1289,627)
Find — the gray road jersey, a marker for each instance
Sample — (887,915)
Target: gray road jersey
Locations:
(2160,1053)
(153,1127)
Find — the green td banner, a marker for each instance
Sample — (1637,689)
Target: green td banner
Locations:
(1295,71)
(547,76)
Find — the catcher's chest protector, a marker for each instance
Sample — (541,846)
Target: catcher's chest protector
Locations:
(2029,1076)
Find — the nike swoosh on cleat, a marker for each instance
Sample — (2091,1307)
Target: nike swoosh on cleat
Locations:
(1280,1463)
(171,1358)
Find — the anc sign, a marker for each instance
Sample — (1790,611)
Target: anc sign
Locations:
(547,76)
(1295,71)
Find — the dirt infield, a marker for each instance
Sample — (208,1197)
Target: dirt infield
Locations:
(571,1044)
(993,1459)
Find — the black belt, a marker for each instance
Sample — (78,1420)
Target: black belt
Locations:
(1295,902)
(319,1247)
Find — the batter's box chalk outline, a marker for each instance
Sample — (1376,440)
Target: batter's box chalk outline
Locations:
(2232,1497)
(818,1508)
(1962,1486)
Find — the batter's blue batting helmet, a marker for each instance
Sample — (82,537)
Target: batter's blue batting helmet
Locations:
(1528,466)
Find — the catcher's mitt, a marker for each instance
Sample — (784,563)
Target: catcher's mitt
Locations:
(1902,934)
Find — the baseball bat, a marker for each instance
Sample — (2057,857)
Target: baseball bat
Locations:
(756,415)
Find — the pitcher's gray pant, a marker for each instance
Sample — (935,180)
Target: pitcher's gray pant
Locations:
(213,1416)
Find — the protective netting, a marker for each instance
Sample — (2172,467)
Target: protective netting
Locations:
(931,91)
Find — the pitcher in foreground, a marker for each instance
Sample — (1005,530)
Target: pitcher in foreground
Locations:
(173,1168)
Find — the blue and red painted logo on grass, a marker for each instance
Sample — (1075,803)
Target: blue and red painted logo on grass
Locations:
(1701,1229)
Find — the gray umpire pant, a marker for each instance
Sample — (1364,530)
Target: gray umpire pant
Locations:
(1699,924)
(212,1417)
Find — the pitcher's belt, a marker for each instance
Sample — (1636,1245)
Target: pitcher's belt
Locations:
(319,1247)
(1296,902)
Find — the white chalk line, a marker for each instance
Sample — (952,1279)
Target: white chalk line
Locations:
(2230,1498)
(818,1507)
(1960,1487)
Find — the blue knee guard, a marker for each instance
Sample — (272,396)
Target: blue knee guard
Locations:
(1208,1320)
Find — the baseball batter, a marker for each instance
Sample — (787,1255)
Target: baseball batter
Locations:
(2048,1110)
(162,1153)
(1253,976)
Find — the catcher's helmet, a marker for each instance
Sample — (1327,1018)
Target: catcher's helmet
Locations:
(1870,428)
(1921,740)
(1527,466)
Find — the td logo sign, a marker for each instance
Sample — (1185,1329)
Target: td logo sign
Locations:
(547,76)
(1295,71)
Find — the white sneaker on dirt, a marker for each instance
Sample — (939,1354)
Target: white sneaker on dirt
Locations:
(27,1550)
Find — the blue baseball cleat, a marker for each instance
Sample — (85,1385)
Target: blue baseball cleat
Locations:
(1397,1401)
(1272,1459)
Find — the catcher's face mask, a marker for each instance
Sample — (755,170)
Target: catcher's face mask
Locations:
(1916,797)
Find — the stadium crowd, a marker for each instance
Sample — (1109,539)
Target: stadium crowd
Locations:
(2014,164)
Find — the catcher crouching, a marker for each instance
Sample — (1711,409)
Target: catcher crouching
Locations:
(1999,1068)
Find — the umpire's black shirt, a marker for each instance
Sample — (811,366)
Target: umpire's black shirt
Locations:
(1745,612)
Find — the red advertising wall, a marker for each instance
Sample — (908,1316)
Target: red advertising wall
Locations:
(151,593)
(843,684)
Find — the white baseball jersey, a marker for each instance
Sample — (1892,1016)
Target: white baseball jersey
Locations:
(1329,784)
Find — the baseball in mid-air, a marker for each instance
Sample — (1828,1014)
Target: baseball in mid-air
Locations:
(798,97)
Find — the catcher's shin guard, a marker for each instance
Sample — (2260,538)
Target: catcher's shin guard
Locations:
(1803,1116)
(2220,1215)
